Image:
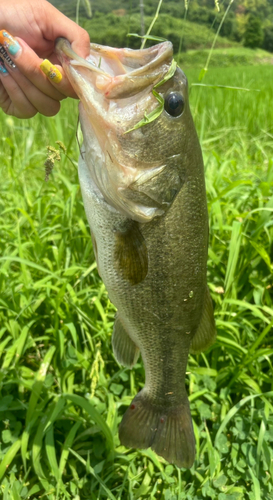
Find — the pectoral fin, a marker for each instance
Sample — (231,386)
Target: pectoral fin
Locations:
(131,255)
(206,332)
(125,350)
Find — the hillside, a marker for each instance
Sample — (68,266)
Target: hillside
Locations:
(248,22)
(191,40)
(113,30)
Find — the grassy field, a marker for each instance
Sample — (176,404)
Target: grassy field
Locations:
(225,57)
(62,392)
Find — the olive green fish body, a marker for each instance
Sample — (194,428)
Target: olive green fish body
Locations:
(160,314)
(145,201)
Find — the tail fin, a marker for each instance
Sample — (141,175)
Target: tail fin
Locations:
(168,431)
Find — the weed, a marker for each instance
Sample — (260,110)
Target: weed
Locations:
(62,393)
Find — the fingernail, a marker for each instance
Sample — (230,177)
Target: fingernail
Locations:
(4,55)
(9,43)
(51,71)
(3,70)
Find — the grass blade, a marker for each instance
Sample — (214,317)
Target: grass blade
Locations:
(9,456)
(93,413)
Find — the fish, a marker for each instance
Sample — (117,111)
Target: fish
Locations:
(142,180)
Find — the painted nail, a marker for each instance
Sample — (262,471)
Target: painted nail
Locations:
(9,43)
(3,70)
(51,71)
(4,55)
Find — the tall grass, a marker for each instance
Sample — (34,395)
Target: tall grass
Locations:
(62,392)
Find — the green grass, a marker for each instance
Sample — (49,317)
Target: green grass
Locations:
(62,393)
(225,57)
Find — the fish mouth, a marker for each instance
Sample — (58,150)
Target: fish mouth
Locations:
(115,88)
(118,73)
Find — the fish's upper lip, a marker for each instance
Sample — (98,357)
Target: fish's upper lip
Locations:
(63,48)
(159,54)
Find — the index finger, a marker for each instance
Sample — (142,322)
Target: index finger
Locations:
(49,79)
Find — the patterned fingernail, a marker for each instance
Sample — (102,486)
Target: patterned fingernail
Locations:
(9,43)
(51,71)
(3,70)
(4,55)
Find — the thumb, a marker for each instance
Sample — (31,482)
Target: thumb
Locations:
(58,25)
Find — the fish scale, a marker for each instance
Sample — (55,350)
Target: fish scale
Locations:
(149,227)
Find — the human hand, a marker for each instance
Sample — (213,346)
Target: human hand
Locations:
(25,90)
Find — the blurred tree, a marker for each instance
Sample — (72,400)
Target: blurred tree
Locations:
(253,36)
(228,26)
(257,7)
(268,38)
(239,24)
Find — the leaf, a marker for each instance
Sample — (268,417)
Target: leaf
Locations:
(153,115)
(9,456)
(116,388)
(38,385)
(28,263)
(228,87)
(94,415)
(91,471)
(263,253)
(256,484)
(235,409)
(234,249)
(67,444)
(148,37)
(51,453)
(17,347)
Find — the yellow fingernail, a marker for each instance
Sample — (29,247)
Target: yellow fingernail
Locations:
(51,71)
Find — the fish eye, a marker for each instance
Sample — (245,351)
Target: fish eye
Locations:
(174,104)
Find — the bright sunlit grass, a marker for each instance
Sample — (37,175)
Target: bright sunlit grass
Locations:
(62,393)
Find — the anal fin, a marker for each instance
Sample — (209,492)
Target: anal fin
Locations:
(206,332)
(125,350)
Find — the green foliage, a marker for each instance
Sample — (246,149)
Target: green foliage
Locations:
(268,38)
(253,36)
(201,12)
(62,393)
(113,30)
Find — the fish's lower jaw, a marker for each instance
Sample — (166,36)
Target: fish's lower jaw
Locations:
(168,431)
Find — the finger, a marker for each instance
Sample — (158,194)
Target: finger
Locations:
(4,98)
(29,64)
(25,98)
(42,76)
(12,101)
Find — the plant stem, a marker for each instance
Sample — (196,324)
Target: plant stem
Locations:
(152,23)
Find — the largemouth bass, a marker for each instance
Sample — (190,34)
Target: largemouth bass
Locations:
(142,180)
